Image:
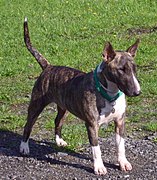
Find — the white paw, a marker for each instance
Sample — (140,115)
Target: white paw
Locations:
(24,148)
(99,168)
(124,164)
(60,141)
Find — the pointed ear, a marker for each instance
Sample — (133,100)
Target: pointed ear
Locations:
(132,49)
(108,53)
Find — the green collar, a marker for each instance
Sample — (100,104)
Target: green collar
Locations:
(102,91)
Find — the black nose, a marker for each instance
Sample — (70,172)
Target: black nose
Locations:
(137,93)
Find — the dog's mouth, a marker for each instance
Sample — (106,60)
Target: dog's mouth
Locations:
(134,94)
(131,93)
(130,88)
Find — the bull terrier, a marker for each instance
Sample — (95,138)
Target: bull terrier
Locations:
(96,97)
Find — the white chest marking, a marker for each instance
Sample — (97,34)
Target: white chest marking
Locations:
(112,111)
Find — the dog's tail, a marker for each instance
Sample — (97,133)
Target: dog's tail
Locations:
(39,57)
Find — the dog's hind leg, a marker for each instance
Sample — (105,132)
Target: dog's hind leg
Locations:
(58,126)
(119,130)
(35,108)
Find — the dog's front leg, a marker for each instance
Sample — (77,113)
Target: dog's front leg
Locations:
(119,130)
(99,167)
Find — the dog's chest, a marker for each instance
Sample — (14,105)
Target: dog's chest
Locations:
(112,111)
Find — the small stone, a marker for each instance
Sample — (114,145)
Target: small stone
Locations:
(127,176)
(62,154)
(75,178)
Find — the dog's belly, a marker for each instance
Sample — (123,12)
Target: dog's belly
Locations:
(112,111)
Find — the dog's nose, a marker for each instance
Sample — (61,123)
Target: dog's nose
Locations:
(137,93)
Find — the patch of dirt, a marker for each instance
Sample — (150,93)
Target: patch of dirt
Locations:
(48,162)
(142,30)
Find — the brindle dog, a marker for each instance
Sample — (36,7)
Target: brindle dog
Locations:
(96,97)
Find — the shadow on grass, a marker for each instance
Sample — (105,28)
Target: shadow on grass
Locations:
(44,151)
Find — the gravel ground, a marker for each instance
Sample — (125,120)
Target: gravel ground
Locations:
(46,162)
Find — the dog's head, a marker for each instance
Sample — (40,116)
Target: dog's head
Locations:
(120,68)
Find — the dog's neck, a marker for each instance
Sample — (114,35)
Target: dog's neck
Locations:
(110,87)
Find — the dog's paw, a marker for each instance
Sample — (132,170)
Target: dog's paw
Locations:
(99,168)
(124,164)
(24,148)
(60,141)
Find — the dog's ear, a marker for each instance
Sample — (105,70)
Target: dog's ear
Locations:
(108,53)
(132,49)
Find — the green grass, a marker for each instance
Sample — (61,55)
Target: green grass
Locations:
(73,33)
(150,126)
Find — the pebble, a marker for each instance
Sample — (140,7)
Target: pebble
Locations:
(62,154)
(126,176)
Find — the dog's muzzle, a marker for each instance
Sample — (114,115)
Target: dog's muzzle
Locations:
(136,93)
(132,93)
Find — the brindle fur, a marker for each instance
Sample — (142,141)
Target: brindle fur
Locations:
(74,91)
